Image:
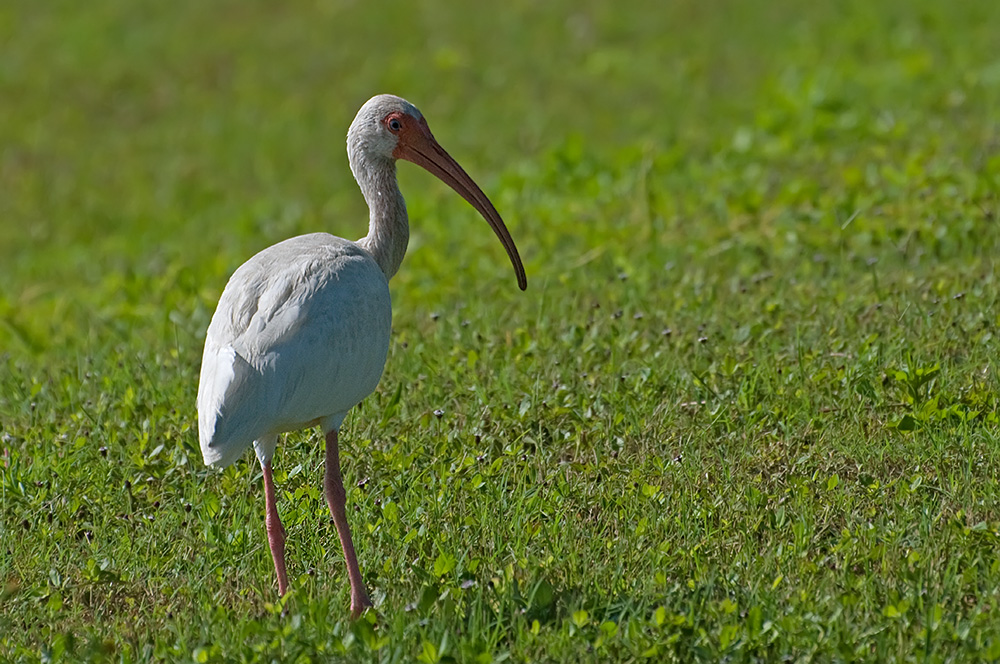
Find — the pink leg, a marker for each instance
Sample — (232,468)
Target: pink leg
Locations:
(336,498)
(275,531)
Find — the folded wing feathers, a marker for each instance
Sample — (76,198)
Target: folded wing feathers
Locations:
(264,313)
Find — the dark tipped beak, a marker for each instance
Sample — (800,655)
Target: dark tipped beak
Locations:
(420,148)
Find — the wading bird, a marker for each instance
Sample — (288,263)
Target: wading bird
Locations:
(301,332)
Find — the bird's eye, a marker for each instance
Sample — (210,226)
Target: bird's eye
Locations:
(395,125)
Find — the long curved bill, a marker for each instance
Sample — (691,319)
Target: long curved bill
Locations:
(420,148)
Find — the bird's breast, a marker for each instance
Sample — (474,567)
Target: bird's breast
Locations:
(300,335)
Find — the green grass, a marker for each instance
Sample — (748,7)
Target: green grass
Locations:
(747,409)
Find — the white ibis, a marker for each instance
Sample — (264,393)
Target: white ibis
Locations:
(301,332)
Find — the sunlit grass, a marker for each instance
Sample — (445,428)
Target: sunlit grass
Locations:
(746,410)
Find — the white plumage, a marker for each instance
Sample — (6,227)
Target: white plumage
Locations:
(299,318)
(301,332)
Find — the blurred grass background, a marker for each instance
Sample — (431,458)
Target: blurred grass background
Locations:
(131,130)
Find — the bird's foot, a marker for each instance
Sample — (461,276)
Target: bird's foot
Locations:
(359,604)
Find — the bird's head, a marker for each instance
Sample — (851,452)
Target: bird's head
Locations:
(388,128)
(380,125)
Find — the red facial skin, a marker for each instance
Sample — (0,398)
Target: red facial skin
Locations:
(416,144)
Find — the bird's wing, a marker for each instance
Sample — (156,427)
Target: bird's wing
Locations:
(300,334)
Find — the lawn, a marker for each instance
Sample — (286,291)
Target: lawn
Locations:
(747,410)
